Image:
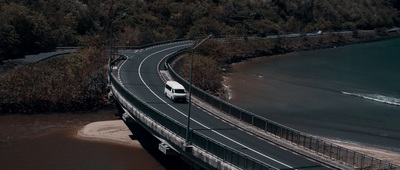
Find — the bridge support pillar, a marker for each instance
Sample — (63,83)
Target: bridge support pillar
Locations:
(125,116)
(120,111)
(164,148)
(188,148)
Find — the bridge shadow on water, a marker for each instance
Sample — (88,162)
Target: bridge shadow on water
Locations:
(150,144)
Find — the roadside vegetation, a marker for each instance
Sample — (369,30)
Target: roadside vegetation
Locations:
(69,83)
(78,81)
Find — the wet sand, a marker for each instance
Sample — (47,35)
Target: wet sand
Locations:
(114,131)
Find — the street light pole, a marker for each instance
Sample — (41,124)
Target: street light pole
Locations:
(113,28)
(190,89)
(112,41)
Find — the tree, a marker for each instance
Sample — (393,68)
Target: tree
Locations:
(22,29)
(206,72)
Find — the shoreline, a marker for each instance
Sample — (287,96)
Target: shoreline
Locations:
(384,155)
(50,141)
(116,132)
(299,44)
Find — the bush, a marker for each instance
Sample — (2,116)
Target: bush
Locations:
(70,83)
(206,72)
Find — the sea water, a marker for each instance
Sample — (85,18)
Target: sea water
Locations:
(349,93)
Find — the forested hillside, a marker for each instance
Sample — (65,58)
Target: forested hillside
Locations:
(78,82)
(35,26)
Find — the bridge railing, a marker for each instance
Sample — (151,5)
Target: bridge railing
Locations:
(162,119)
(213,147)
(226,153)
(303,140)
(152,44)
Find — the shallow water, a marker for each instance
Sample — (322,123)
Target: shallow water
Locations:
(348,93)
(48,141)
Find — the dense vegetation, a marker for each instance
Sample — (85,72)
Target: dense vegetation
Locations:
(78,82)
(71,83)
(36,26)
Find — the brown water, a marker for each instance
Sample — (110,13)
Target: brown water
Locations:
(48,141)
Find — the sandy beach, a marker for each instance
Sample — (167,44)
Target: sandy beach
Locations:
(114,131)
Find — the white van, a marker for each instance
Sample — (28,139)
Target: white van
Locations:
(175,91)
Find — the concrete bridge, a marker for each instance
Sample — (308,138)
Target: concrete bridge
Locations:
(221,136)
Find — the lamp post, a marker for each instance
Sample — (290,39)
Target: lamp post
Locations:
(190,89)
(112,41)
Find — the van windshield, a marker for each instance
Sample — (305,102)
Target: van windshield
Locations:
(179,91)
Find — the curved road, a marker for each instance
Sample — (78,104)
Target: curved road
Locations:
(139,74)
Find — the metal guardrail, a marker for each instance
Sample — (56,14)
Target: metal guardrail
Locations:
(151,44)
(220,150)
(303,140)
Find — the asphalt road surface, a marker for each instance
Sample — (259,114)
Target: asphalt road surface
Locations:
(140,76)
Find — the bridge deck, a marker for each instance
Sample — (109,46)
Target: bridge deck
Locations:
(140,76)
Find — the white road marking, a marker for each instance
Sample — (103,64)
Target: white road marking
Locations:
(240,144)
